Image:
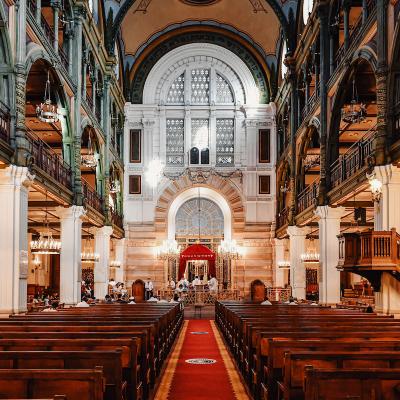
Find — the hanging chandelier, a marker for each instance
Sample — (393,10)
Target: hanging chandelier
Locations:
(311,255)
(46,111)
(168,250)
(355,112)
(229,249)
(45,244)
(89,257)
(115,264)
(89,160)
(284,264)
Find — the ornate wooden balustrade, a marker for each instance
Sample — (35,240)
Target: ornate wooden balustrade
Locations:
(349,163)
(45,158)
(282,218)
(370,250)
(307,197)
(117,219)
(91,197)
(5,119)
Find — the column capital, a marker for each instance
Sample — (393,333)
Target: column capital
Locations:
(387,174)
(294,231)
(104,231)
(19,176)
(326,212)
(73,212)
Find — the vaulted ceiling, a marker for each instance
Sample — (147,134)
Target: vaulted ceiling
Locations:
(141,26)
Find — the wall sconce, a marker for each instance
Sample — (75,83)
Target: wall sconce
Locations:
(375,186)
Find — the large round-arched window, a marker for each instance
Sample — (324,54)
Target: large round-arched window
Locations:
(307,9)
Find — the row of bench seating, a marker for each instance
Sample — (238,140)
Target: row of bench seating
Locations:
(110,351)
(313,353)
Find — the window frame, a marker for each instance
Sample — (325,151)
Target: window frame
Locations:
(131,151)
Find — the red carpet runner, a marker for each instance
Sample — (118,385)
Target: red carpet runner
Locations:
(217,381)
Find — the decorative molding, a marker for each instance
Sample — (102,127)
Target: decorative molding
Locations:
(258,123)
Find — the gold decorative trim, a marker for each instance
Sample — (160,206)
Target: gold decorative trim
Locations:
(234,377)
(200,2)
(165,385)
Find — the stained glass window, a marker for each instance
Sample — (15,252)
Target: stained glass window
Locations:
(225,128)
(176,93)
(224,92)
(175,141)
(200,84)
(200,133)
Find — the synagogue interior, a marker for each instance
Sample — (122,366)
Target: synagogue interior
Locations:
(199,199)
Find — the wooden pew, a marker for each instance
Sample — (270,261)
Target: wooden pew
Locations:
(352,384)
(29,383)
(110,361)
(291,386)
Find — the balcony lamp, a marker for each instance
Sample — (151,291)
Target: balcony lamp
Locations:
(375,186)
(46,111)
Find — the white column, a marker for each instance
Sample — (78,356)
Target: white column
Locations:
(387,211)
(70,258)
(329,276)
(279,256)
(101,268)
(297,268)
(14,184)
(120,256)
(386,217)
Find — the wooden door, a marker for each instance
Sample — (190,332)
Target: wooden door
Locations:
(138,290)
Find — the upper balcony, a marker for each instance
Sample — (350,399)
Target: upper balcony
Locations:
(369,251)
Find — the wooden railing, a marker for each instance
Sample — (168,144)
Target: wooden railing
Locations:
(47,30)
(45,158)
(117,219)
(282,218)
(91,197)
(5,119)
(353,160)
(307,197)
(371,250)
(310,103)
(63,57)
(341,52)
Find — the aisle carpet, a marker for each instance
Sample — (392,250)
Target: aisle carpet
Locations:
(216,379)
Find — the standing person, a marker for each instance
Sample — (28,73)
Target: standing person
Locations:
(213,284)
(196,281)
(172,284)
(148,287)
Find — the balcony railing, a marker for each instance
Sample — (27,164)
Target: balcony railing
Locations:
(372,250)
(307,197)
(117,219)
(5,119)
(282,218)
(91,197)
(45,158)
(310,103)
(48,31)
(353,160)
(341,52)
(63,57)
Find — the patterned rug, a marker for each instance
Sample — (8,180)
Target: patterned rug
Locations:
(200,367)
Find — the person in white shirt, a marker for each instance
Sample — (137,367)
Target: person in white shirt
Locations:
(196,281)
(213,284)
(148,287)
(266,302)
(131,300)
(53,307)
(172,284)
(83,303)
(153,300)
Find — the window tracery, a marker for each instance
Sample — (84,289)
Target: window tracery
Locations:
(225,141)
(200,85)
(224,91)
(176,93)
(175,141)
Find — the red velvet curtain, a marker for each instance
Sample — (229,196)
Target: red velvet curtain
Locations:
(197,252)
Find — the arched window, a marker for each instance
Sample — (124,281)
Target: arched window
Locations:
(307,9)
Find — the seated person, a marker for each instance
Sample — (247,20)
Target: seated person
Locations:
(176,299)
(131,300)
(153,299)
(54,306)
(108,299)
(120,299)
(196,281)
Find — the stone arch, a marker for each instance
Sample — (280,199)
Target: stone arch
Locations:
(226,190)
(173,63)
